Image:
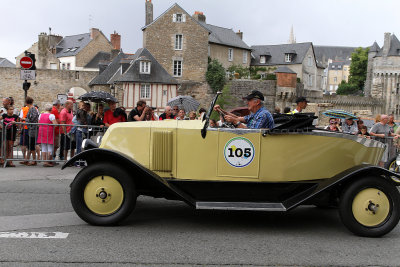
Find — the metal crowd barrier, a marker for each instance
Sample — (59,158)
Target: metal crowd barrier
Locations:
(26,148)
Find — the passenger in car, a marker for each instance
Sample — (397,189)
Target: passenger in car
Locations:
(259,117)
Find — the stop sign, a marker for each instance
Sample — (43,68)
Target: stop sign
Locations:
(26,62)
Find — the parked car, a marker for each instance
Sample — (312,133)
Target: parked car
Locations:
(237,169)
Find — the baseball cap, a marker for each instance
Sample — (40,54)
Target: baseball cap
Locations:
(301,99)
(255,94)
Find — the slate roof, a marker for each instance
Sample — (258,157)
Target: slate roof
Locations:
(72,45)
(374,47)
(336,53)
(157,73)
(99,57)
(284,70)
(394,47)
(277,53)
(5,63)
(104,77)
(224,36)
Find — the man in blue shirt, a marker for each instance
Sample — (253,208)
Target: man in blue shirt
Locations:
(259,118)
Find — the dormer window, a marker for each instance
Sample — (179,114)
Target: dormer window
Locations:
(288,57)
(263,59)
(179,17)
(145,67)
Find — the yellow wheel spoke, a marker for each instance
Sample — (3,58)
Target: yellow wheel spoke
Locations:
(103,195)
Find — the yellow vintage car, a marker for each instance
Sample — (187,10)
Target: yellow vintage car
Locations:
(237,169)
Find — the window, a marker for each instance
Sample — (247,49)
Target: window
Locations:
(333,66)
(179,17)
(288,57)
(178,42)
(145,67)
(68,66)
(230,54)
(262,75)
(177,68)
(339,66)
(244,57)
(76,75)
(345,69)
(263,59)
(63,66)
(335,79)
(344,77)
(309,80)
(309,61)
(53,66)
(164,92)
(145,92)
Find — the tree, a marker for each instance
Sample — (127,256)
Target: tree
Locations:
(215,75)
(358,68)
(347,89)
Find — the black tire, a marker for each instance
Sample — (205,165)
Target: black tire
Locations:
(389,214)
(391,165)
(123,204)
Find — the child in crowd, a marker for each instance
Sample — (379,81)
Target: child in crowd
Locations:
(10,128)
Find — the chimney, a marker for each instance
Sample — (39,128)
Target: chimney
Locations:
(43,43)
(93,33)
(199,16)
(115,40)
(149,12)
(386,44)
(240,34)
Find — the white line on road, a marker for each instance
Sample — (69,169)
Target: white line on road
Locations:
(33,235)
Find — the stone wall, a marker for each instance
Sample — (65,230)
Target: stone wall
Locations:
(49,83)
(220,52)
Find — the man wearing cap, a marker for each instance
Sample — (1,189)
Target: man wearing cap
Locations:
(259,117)
(301,104)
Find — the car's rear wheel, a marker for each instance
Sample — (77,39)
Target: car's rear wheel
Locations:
(103,194)
(370,207)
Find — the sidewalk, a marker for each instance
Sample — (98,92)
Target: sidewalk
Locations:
(22,172)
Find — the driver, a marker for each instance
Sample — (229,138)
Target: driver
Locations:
(259,118)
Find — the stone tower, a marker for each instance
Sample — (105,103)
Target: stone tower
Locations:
(149,12)
(373,50)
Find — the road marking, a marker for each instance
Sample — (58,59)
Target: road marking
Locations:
(33,235)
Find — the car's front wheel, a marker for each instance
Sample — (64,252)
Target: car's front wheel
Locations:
(370,207)
(103,194)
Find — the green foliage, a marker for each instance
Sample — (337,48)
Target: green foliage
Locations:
(358,67)
(223,100)
(270,76)
(215,75)
(242,71)
(256,77)
(298,80)
(347,89)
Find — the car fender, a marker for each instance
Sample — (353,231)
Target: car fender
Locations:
(143,176)
(341,181)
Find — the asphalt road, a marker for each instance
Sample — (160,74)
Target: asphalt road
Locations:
(35,203)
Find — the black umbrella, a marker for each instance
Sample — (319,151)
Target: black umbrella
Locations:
(97,96)
(186,102)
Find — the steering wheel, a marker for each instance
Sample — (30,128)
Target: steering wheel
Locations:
(225,124)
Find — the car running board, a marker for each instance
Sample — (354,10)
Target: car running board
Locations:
(260,206)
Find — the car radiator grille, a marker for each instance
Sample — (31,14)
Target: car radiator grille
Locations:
(162,151)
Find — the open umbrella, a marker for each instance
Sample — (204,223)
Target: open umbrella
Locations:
(186,102)
(97,96)
(338,114)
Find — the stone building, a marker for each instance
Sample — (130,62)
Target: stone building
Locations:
(80,52)
(298,57)
(338,71)
(181,43)
(137,77)
(383,71)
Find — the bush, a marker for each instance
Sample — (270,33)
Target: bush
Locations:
(347,89)
(256,77)
(242,72)
(270,76)
(215,75)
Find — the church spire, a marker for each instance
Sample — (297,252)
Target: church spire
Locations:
(292,39)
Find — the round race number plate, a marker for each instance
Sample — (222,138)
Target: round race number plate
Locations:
(239,152)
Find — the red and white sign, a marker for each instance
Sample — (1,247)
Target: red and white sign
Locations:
(26,62)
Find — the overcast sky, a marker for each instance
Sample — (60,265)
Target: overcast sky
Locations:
(323,22)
